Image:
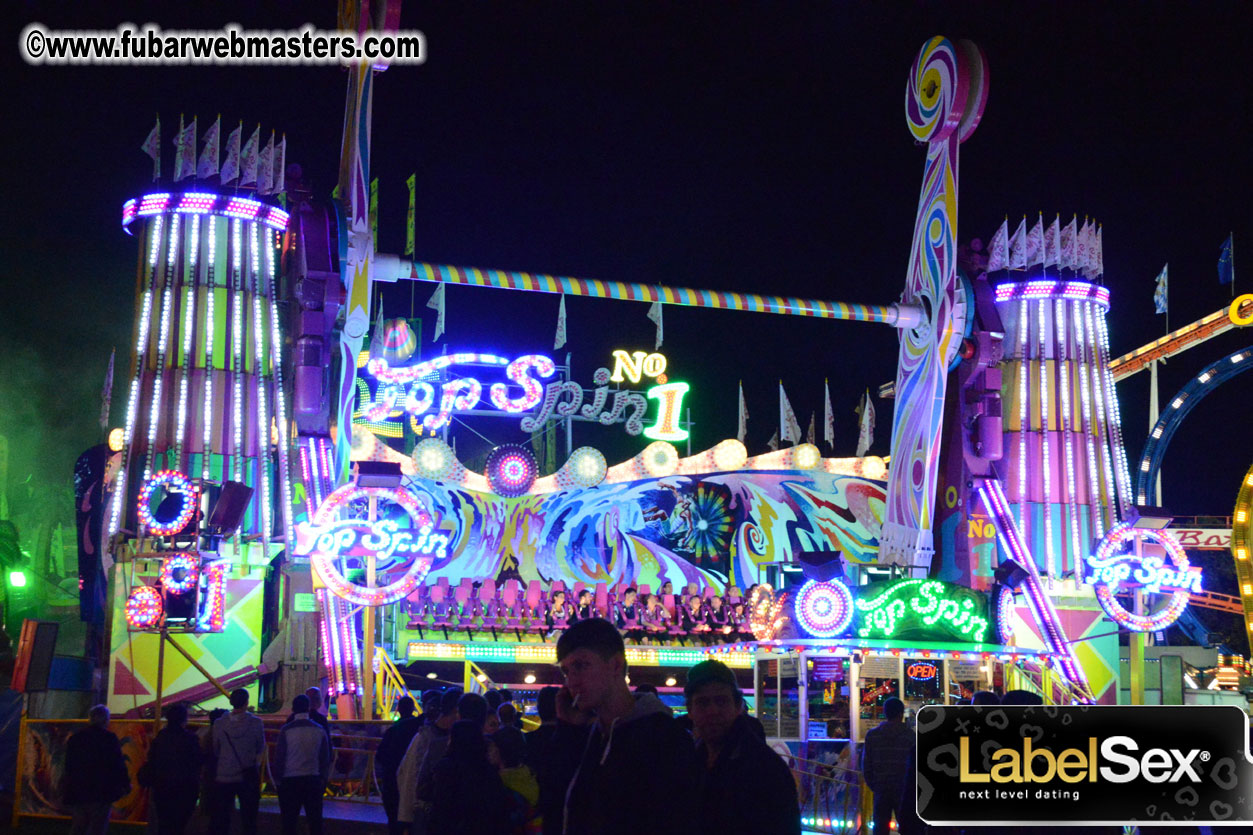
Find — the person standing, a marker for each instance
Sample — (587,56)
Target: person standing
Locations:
(390,753)
(173,767)
(433,738)
(314,695)
(885,761)
(467,794)
(95,775)
(302,762)
(238,745)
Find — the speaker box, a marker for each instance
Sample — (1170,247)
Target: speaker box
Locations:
(228,511)
(820,565)
(1011,574)
(34,656)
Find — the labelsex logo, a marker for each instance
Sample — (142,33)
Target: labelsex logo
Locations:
(1039,765)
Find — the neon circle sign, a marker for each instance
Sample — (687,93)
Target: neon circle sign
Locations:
(329,539)
(824,609)
(1111,573)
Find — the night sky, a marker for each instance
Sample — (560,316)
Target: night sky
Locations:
(749,147)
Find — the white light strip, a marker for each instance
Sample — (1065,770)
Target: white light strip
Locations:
(1066,424)
(1106,452)
(1089,429)
(210,325)
(1115,424)
(237,336)
(167,302)
(1024,415)
(189,321)
(263,419)
(1049,554)
(280,404)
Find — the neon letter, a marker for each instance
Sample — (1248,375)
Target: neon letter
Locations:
(669,399)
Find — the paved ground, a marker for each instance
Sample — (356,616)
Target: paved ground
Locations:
(341,818)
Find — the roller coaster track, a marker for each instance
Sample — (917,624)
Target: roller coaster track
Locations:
(1177,341)
(1218,602)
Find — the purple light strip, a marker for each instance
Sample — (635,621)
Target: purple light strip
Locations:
(237,344)
(1115,424)
(1053,289)
(209,327)
(1097,521)
(1070,497)
(280,404)
(1107,453)
(158,378)
(1045,437)
(189,321)
(205,203)
(1024,414)
(263,416)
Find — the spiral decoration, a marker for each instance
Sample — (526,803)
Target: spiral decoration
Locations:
(511,470)
(144,608)
(824,609)
(180,573)
(935,96)
(175,483)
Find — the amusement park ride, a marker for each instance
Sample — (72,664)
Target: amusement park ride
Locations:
(1003,548)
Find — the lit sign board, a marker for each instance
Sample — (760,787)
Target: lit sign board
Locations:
(1111,573)
(921,610)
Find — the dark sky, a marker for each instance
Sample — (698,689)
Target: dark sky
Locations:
(752,147)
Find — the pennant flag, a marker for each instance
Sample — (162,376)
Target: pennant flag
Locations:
(106,394)
(1034,248)
(742,430)
(1226,263)
(437,304)
(152,147)
(1053,243)
(410,235)
(265,169)
(1161,302)
(654,316)
(1081,248)
(998,251)
(560,339)
(1067,259)
(230,165)
(828,416)
(1018,246)
(1100,251)
(248,167)
(810,435)
(280,167)
(208,165)
(374,212)
(773,443)
(790,430)
(185,153)
(377,343)
(865,422)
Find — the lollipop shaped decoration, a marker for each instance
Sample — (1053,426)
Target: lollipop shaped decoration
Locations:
(511,470)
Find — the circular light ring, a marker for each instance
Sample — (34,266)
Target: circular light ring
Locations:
(806,456)
(191,573)
(1005,614)
(659,459)
(174,482)
(433,459)
(586,467)
(729,455)
(511,470)
(1119,536)
(324,563)
(824,609)
(144,608)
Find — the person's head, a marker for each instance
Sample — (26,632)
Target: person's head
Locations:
(559,597)
(491,723)
(692,588)
(592,657)
(645,688)
(315,698)
(300,704)
(239,698)
(405,707)
(585,597)
(985,697)
(628,596)
(430,702)
(713,700)
(449,702)
(694,601)
(216,714)
(466,742)
(98,716)
(512,746)
(506,695)
(507,714)
(1021,697)
(176,715)
(546,704)
(650,600)
(667,587)
(472,707)
(894,709)
(715,602)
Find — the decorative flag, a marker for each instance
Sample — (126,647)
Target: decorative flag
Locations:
(1018,246)
(377,343)
(743,427)
(280,167)
(208,165)
(230,165)
(1093,256)
(790,429)
(248,167)
(865,423)
(152,147)
(410,235)
(654,316)
(1081,248)
(1100,251)
(810,435)
(773,443)
(1067,259)
(998,251)
(1161,302)
(265,169)
(1226,263)
(106,394)
(185,153)
(1053,243)
(1035,242)
(560,338)
(374,212)
(437,304)
(828,416)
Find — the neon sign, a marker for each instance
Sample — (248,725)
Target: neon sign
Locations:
(922,671)
(923,610)
(824,609)
(1112,573)
(636,365)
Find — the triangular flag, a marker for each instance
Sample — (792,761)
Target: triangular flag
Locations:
(208,165)
(773,443)
(230,165)
(790,429)
(248,165)
(828,416)
(560,339)
(437,304)
(1161,297)
(810,436)
(865,433)
(1018,246)
(185,153)
(280,167)
(742,430)
(265,169)
(411,233)
(106,394)
(654,316)
(377,343)
(1069,232)
(998,251)
(1053,243)
(152,147)
(1035,243)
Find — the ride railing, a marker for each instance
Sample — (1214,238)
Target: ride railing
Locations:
(389,684)
(830,796)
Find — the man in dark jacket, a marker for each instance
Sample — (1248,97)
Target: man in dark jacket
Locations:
(621,752)
(539,757)
(95,774)
(174,760)
(391,751)
(885,761)
(745,787)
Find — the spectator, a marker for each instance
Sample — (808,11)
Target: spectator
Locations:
(560,613)
(390,753)
(491,722)
(95,775)
(466,794)
(494,699)
(1021,698)
(509,731)
(540,757)
(430,707)
(985,698)
(314,696)
(692,616)
(884,756)
(519,781)
(620,752)
(302,762)
(238,744)
(173,772)
(413,771)
(735,763)
(585,608)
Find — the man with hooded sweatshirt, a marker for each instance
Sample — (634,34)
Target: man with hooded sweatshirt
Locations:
(431,739)
(621,751)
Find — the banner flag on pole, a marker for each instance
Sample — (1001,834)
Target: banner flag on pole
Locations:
(790,429)
(1093,256)
(410,232)
(1161,301)
(1100,251)
(106,394)
(1081,248)
(265,170)
(865,421)
(742,430)
(1067,259)
(437,304)
(1226,264)
(374,212)
(248,168)
(828,416)
(654,315)
(1018,246)
(152,147)
(810,436)
(208,165)
(185,150)
(773,443)
(1053,243)
(998,250)
(1034,247)
(560,339)
(230,165)
(280,167)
